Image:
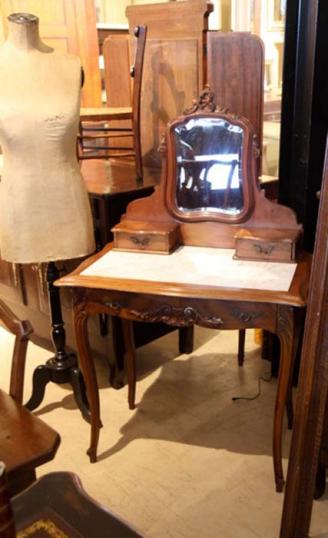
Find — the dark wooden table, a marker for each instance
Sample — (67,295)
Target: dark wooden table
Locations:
(57,505)
(185,305)
(112,185)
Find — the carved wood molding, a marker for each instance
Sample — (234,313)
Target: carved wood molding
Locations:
(246,317)
(179,317)
(205,103)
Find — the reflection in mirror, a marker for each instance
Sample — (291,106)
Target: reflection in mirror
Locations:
(209,168)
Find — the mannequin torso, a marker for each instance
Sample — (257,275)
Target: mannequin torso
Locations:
(45,213)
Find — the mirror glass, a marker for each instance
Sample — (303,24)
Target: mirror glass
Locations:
(209,166)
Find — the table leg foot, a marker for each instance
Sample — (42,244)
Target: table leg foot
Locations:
(92,455)
(280,485)
(41,377)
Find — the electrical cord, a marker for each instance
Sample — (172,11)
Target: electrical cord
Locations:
(259,379)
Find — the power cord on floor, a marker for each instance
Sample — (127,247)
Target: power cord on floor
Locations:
(266,379)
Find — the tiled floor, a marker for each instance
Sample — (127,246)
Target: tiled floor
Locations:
(188,462)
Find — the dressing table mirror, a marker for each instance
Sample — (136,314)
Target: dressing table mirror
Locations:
(206,180)
(209,193)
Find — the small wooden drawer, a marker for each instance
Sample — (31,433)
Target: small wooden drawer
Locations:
(266,244)
(146,236)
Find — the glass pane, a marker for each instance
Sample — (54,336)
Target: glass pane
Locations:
(209,176)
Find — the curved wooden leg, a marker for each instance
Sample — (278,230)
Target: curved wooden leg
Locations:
(89,374)
(130,358)
(285,332)
(117,365)
(289,406)
(299,316)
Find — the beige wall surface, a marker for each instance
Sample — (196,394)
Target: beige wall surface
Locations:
(67,25)
(113,12)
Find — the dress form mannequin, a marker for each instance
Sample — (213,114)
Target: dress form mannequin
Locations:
(44,208)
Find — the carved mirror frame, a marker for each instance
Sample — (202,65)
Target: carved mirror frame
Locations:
(262,229)
(247,169)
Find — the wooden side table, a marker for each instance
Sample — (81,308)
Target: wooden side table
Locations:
(111,283)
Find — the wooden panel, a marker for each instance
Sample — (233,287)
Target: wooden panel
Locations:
(118,82)
(235,64)
(173,66)
(67,26)
(117,61)
(168,89)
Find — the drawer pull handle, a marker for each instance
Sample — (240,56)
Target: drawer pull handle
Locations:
(264,249)
(140,242)
(114,306)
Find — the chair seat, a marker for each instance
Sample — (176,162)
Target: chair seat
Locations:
(106,113)
(25,441)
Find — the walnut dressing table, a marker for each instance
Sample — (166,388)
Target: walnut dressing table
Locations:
(205,249)
(266,297)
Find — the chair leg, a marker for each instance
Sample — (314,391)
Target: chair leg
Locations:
(186,339)
(241,346)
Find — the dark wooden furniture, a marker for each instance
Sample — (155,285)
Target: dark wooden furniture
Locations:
(25,441)
(57,505)
(200,150)
(7,524)
(304,114)
(309,441)
(112,185)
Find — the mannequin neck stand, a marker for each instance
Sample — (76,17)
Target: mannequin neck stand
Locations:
(23,33)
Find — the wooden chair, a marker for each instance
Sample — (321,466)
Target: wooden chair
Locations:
(101,136)
(57,505)
(25,440)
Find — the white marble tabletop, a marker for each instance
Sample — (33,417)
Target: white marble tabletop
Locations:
(196,266)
